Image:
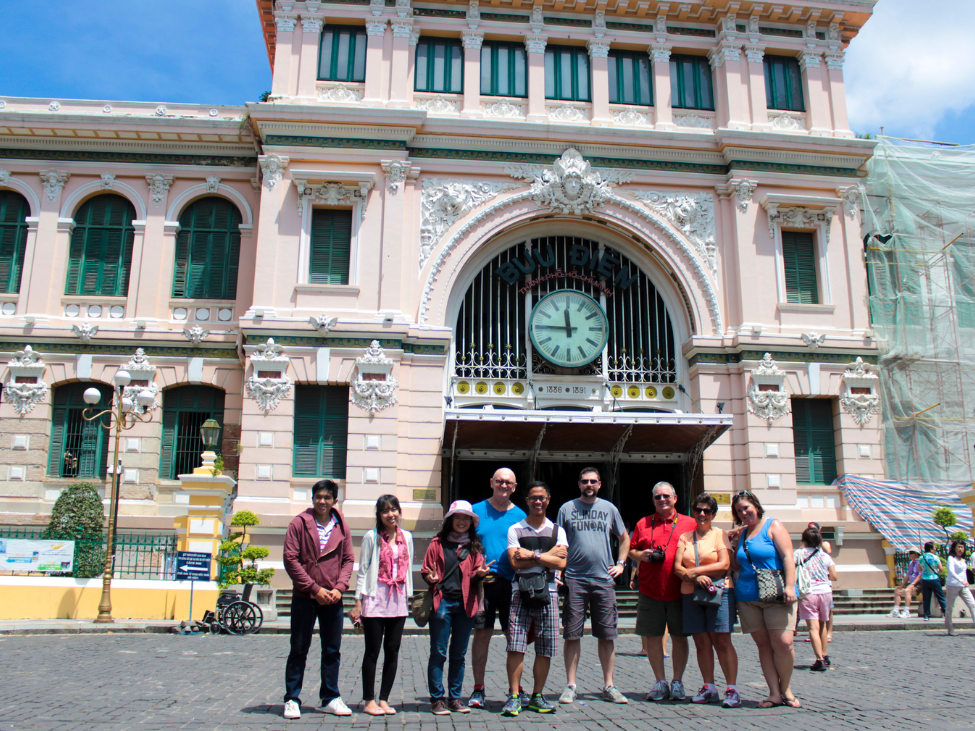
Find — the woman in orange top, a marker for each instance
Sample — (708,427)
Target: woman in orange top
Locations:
(710,624)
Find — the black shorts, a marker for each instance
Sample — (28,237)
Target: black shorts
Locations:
(497,601)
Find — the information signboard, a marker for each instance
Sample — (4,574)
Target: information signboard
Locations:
(17,554)
(192,566)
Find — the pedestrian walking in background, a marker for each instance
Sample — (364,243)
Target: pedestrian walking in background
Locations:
(318,557)
(702,563)
(454,565)
(589,577)
(659,606)
(957,583)
(930,580)
(537,548)
(828,548)
(382,590)
(909,588)
(814,606)
(495,516)
(763,545)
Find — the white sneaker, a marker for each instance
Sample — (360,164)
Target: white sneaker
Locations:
(895,612)
(292,710)
(905,614)
(337,707)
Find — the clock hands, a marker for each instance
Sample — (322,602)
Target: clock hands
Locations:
(568,324)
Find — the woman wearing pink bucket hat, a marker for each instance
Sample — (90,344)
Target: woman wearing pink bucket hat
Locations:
(454,566)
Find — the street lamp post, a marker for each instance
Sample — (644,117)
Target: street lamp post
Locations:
(121,416)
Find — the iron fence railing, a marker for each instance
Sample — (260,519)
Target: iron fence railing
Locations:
(136,555)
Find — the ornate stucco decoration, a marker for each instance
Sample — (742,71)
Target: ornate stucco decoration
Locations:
(195,334)
(631,118)
(272,166)
(599,23)
(798,218)
(108,181)
(813,340)
(5,177)
(25,387)
(787,122)
(473,15)
(570,185)
(373,388)
(333,194)
(86,331)
(213,184)
(690,213)
(159,186)
(438,105)
(566,113)
(860,399)
(742,190)
(396,172)
(140,369)
(339,93)
(323,323)
(503,109)
(269,382)
(851,201)
(377,7)
(442,202)
(767,397)
(54,181)
(693,121)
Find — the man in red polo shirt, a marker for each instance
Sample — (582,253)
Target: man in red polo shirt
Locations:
(659,606)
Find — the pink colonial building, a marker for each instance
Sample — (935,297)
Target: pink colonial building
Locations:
(457,236)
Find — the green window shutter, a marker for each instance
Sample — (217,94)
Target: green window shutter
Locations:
(14,210)
(185,408)
(342,55)
(100,252)
(86,441)
(814,439)
(59,427)
(629,78)
(331,246)
(439,66)
(799,258)
(690,83)
(783,83)
(168,438)
(566,73)
(207,250)
(504,69)
(321,431)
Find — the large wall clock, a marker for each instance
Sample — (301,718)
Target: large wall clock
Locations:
(568,328)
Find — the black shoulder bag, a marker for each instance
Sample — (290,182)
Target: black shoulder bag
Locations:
(533,587)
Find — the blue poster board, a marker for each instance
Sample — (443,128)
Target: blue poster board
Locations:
(192,566)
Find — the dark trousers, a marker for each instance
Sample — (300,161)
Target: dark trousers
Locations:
(304,612)
(385,632)
(929,586)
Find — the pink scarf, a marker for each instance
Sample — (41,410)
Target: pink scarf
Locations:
(386,560)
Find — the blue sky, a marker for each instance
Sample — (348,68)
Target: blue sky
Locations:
(911,72)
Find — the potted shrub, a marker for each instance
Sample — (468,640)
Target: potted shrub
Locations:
(240,558)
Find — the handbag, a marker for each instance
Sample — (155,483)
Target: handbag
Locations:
(703,596)
(803,579)
(533,588)
(771,582)
(421,605)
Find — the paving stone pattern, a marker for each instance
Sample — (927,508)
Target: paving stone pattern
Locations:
(896,680)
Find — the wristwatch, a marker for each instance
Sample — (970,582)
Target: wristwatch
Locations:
(621,563)
(538,555)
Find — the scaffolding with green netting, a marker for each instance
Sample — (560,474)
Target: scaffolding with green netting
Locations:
(919,226)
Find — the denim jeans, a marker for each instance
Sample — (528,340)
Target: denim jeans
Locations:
(450,632)
(304,612)
(927,587)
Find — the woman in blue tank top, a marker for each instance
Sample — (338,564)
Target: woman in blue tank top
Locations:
(769,623)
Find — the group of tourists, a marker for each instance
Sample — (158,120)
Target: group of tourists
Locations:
(924,576)
(493,561)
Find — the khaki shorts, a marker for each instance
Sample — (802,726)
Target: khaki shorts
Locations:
(756,616)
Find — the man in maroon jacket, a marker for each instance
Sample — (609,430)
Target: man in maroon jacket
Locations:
(318,557)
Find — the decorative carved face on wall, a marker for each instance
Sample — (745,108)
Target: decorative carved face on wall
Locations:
(572,185)
(453,200)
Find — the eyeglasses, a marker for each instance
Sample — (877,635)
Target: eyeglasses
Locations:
(706,511)
(588,482)
(538,499)
(505,482)
(663,497)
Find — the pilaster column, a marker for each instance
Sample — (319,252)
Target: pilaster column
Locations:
(375,33)
(663,110)
(536,78)
(283,49)
(311,38)
(400,90)
(815,93)
(274,189)
(599,60)
(50,256)
(730,102)
(755,73)
(837,94)
(472,74)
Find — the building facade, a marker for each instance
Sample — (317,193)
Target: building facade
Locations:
(455,237)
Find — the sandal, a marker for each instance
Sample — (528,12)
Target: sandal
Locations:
(791,702)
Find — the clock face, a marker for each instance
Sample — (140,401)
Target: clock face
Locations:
(568,328)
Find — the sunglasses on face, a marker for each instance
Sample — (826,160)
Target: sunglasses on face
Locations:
(588,482)
(705,511)
(504,483)
(663,497)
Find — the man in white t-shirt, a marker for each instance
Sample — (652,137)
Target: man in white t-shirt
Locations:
(536,547)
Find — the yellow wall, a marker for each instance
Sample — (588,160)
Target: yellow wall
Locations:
(78,599)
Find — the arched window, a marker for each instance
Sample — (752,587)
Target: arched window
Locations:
(184,411)
(101,247)
(207,250)
(13,239)
(79,448)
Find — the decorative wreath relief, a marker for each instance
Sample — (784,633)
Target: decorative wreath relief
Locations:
(25,387)
(767,397)
(374,388)
(269,382)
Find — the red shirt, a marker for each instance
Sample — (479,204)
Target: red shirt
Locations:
(658,580)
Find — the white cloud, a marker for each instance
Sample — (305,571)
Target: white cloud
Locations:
(912,65)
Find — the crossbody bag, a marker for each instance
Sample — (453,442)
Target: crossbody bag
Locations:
(702,596)
(421,605)
(771,582)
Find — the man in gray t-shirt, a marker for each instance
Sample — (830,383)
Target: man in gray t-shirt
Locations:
(590,573)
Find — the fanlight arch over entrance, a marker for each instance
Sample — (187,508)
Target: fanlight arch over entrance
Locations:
(494,360)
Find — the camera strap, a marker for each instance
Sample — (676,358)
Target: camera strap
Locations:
(673,526)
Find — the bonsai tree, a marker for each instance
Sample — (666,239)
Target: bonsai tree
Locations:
(78,516)
(945,517)
(241,558)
